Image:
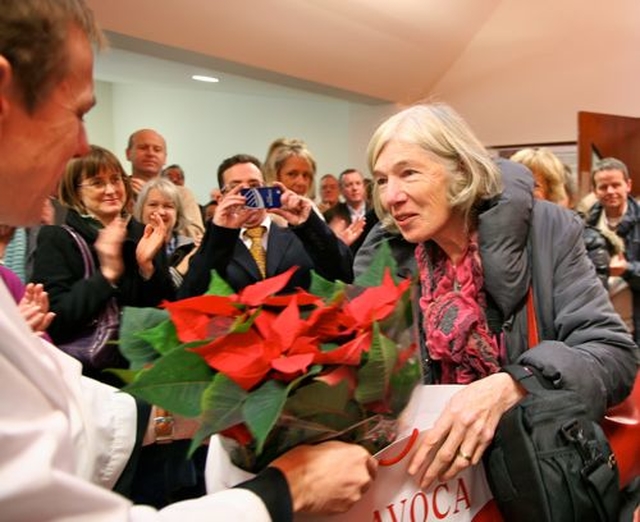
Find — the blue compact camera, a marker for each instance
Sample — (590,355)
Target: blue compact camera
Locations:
(262,197)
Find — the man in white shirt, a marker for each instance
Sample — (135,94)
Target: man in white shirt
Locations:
(353,192)
(65,439)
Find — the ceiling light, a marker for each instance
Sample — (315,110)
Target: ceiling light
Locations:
(202,78)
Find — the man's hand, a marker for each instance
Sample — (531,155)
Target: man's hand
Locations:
(137,184)
(232,212)
(327,478)
(295,209)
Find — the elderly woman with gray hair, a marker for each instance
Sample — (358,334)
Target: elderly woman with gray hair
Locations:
(481,242)
(160,197)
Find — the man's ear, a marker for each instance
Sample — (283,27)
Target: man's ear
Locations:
(6,74)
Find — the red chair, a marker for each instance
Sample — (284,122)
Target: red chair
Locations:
(622,426)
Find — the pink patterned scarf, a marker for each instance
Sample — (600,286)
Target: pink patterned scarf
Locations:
(453,306)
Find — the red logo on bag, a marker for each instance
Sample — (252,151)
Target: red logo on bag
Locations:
(437,504)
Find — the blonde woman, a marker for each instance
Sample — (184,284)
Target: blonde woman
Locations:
(290,162)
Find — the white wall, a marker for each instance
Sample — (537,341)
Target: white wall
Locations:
(99,121)
(203,128)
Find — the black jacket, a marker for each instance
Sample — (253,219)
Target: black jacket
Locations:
(629,231)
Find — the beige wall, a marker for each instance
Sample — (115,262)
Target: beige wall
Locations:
(536,63)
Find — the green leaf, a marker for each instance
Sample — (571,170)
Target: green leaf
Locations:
(218,286)
(175,382)
(382,260)
(162,337)
(375,374)
(222,403)
(126,376)
(318,397)
(323,288)
(399,324)
(402,384)
(262,409)
(134,320)
(242,324)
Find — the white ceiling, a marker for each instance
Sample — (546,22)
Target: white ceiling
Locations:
(371,51)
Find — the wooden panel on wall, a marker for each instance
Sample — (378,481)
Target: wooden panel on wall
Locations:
(608,135)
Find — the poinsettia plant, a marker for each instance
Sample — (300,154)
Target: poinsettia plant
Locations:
(272,371)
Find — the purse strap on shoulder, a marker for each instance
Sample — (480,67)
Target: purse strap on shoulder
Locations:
(87,257)
(532,323)
(523,374)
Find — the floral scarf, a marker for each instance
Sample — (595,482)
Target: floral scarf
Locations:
(453,305)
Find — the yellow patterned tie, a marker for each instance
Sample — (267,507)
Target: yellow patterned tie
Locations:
(256,249)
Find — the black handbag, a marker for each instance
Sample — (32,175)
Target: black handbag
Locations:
(549,461)
(94,345)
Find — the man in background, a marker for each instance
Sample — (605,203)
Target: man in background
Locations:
(329,192)
(360,218)
(230,247)
(147,153)
(175,174)
(354,194)
(617,211)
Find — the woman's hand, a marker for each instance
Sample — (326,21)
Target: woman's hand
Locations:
(152,240)
(109,249)
(465,428)
(34,307)
(295,209)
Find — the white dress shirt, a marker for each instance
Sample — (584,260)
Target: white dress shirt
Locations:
(65,439)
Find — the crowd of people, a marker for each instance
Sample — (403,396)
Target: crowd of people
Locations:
(475,232)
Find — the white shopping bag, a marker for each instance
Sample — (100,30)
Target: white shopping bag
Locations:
(395,495)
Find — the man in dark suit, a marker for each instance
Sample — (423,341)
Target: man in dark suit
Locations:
(360,218)
(307,242)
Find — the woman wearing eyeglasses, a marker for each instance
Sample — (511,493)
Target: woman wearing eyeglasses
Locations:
(129,258)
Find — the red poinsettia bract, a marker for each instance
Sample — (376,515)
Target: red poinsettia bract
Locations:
(280,343)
